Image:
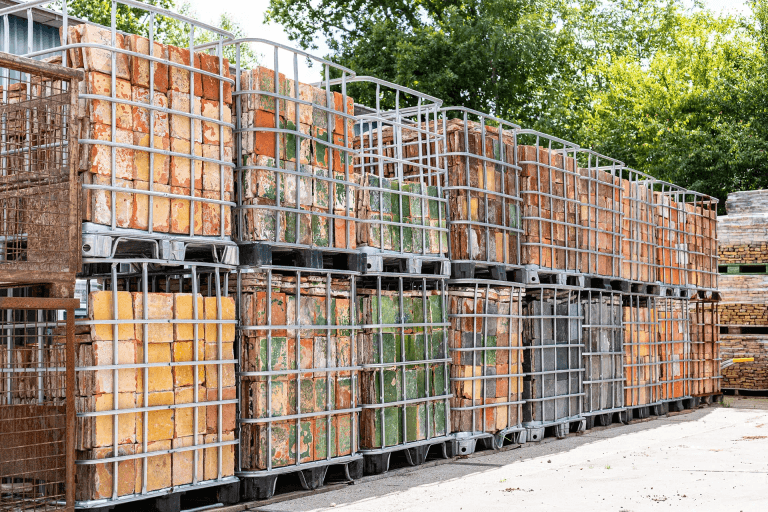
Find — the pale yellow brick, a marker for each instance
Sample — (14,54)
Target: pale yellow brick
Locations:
(183,310)
(159,307)
(100,308)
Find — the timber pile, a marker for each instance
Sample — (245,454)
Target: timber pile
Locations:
(398,203)
(486,373)
(274,351)
(484,209)
(388,423)
(171,132)
(301,175)
(168,385)
(549,184)
(744,239)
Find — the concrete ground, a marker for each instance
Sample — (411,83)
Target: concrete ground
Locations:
(713,458)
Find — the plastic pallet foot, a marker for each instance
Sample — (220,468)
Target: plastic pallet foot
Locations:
(522,437)
(562,430)
(461,447)
(498,273)
(169,503)
(487,443)
(417,455)
(376,464)
(604,420)
(256,254)
(309,258)
(464,270)
(357,262)
(660,409)
(535,434)
(677,406)
(228,494)
(590,422)
(625,417)
(354,470)
(258,488)
(313,478)
(578,426)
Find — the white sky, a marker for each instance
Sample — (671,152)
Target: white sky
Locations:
(250,15)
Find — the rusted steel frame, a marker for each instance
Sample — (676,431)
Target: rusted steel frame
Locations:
(36,67)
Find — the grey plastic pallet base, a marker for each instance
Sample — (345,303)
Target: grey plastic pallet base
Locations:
(532,274)
(535,435)
(408,264)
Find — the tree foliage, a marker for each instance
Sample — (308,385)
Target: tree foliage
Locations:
(672,90)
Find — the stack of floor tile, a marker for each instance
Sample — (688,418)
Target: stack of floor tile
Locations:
(169,386)
(274,347)
(486,372)
(404,381)
(298,185)
(482,187)
(139,184)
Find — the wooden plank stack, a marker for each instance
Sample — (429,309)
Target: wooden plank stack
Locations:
(209,141)
(171,384)
(403,363)
(486,372)
(483,193)
(298,184)
(294,333)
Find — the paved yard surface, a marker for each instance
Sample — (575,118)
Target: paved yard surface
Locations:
(714,458)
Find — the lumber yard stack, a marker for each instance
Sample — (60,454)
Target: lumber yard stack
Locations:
(743,284)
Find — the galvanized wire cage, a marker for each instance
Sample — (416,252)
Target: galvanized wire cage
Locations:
(549,187)
(297,186)
(485,340)
(600,215)
(705,347)
(641,353)
(156,391)
(603,354)
(37,409)
(553,385)
(483,193)
(298,371)
(674,343)
(155,140)
(404,390)
(701,231)
(402,212)
(638,228)
(39,225)
(671,241)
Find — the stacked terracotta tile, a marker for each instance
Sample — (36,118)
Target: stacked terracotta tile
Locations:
(400,205)
(170,385)
(638,238)
(701,237)
(497,357)
(171,132)
(705,348)
(426,416)
(600,221)
(488,219)
(314,391)
(671,247)
(548,187)
(641,359)
(674,347)
(292,175)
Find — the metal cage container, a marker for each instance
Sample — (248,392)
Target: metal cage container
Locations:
(299,376)
(404,388)
(674,343)
(37,406)
(638,228)
(701,230)
(671,239)
(402,212)
(40,228)
(549,187)
(155,141)
(642,386)
(156,387)
(600,215)
(483,193)
(553,382)
(603,354)
(297,187)
(485,339)
(705,347)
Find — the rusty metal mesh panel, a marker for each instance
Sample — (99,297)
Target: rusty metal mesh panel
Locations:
(35,194)
(33,407)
